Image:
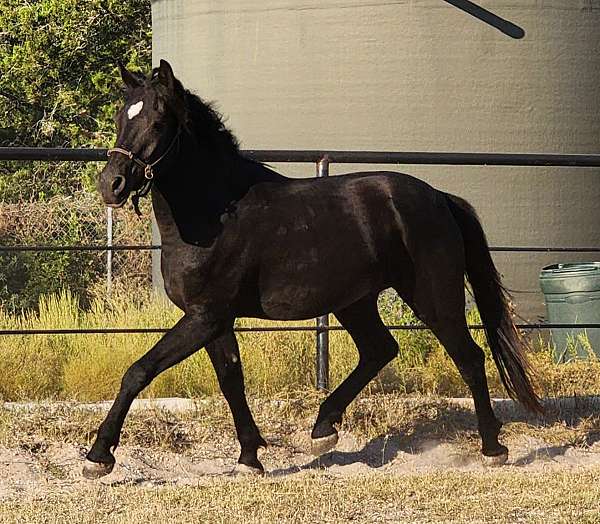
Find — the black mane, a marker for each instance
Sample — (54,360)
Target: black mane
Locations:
(207,123)
(200,118)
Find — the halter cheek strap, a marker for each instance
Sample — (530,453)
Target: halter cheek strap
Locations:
(147,167)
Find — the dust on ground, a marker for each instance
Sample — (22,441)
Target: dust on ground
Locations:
(43,446)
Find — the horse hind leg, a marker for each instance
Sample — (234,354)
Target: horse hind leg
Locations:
(470,361)
(439,301)
(376,347)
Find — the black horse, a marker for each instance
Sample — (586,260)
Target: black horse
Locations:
(239,240)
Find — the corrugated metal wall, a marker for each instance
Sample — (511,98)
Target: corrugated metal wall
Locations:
(414,75)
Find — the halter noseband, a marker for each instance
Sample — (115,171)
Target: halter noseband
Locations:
(148,169)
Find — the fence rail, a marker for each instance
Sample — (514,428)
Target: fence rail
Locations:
(49,154)
(322,159)
(124,247)
(274,329)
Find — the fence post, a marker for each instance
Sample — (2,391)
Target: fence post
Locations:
(158,284)
(323,321)
(109,253)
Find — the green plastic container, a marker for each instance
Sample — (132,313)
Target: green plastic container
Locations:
(572,293)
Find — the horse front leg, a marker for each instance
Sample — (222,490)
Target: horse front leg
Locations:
(192,332)
(225,356)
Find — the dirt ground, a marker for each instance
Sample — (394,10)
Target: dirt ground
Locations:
(57,467)
(183,444)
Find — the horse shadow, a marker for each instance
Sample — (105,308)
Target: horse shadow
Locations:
(451,422)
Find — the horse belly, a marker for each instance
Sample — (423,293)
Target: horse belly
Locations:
(317,281)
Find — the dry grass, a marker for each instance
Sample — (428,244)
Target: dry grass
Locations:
(90,367)
(403,423)
(507,496)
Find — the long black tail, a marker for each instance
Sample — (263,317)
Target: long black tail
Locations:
(493,302)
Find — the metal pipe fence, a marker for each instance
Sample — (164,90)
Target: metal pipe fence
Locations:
(338,157)
(270,329)
(322,159)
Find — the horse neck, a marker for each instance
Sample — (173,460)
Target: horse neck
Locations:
(190,196)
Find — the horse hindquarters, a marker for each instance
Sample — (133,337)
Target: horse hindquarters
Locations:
(436,295)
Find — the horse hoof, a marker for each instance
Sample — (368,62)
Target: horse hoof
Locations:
(322,445)
(495,460)
(249,471)
(95,470)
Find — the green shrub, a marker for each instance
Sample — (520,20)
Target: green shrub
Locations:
(60,84)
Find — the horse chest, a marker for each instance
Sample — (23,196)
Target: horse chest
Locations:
(183,274)
(199,278)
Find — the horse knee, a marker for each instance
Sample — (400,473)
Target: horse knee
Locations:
(379,354)
(387,351)
(136,378)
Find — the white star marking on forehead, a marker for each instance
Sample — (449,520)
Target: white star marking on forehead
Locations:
(135,109)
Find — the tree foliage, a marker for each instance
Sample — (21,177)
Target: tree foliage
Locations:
(59,84)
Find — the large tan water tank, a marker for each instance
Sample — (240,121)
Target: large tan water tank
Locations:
(414,75)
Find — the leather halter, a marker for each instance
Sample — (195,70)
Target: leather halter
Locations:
(147,167)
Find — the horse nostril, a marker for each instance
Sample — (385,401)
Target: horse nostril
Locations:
(118,184)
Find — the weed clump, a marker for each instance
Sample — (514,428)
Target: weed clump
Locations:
(276,364)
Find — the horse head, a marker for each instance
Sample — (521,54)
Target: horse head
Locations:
(148,129)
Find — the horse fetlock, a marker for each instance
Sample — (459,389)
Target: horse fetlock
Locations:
(322,428)
(489,432)
(252,442)
(100,453)
(326,420)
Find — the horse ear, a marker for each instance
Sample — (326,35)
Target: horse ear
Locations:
(129,79)
(165,75)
